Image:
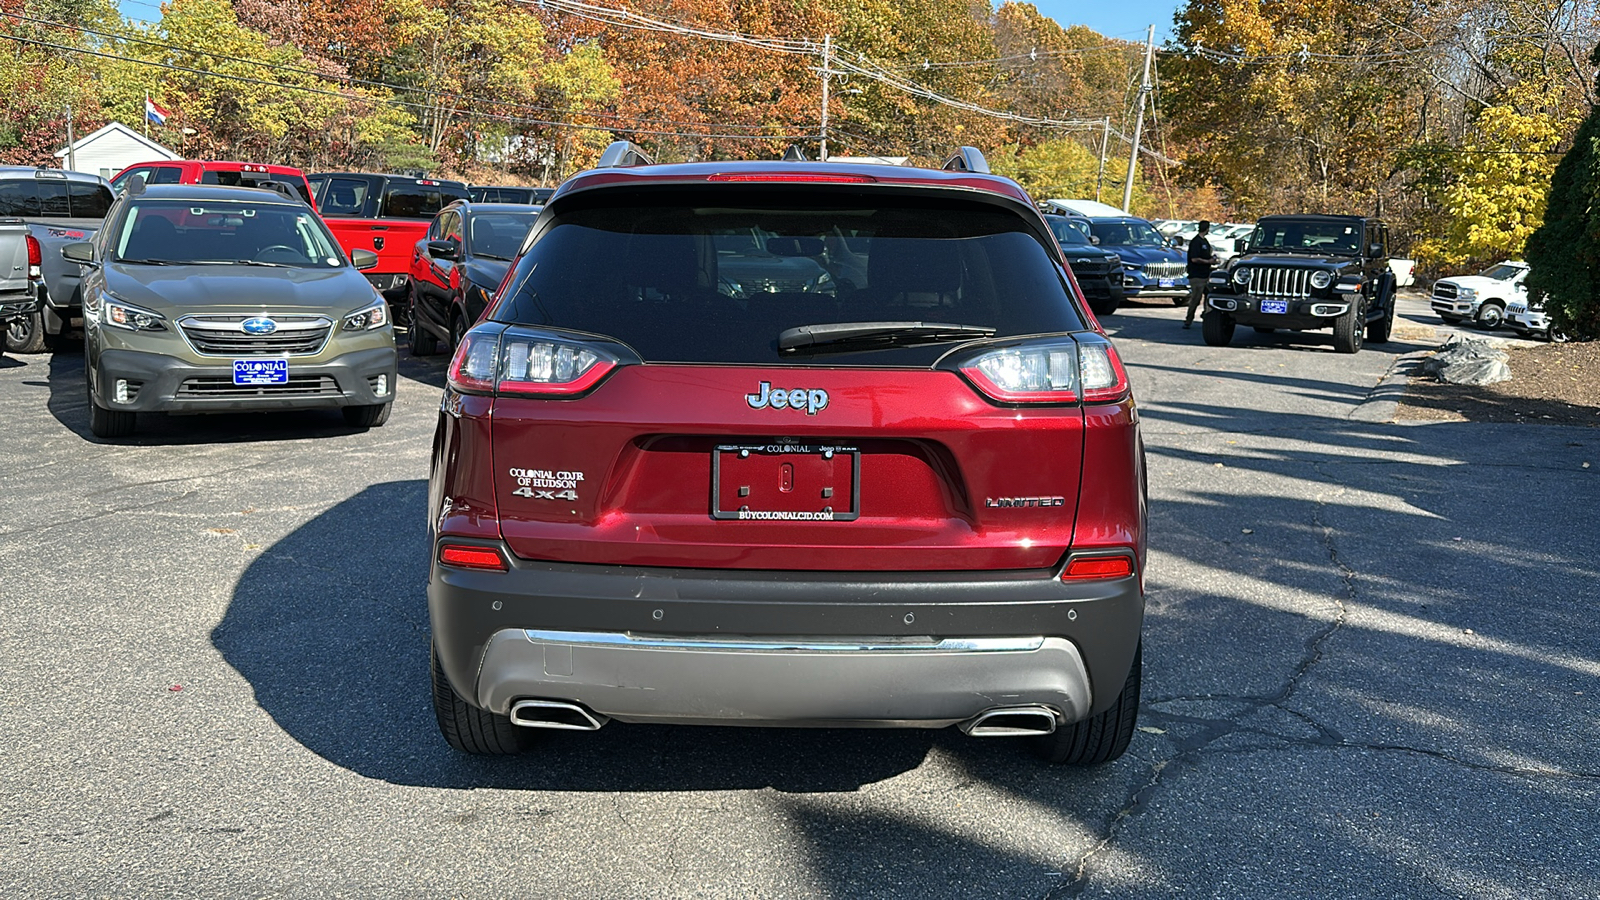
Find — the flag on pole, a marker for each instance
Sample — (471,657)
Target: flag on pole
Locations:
(153,112)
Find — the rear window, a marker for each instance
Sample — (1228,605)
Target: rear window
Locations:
(50,198)
(716,279)
(418,201)
(255,179)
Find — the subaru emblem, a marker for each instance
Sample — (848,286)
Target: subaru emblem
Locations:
(259,325)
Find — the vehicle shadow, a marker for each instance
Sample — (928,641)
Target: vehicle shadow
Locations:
(69,403)
(335,646)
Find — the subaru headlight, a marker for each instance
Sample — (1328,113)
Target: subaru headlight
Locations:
(1321,280)
(1241,276)
(117,314)
(374,316)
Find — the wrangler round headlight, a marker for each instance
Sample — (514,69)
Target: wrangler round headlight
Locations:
(1241,276)
(1320,280)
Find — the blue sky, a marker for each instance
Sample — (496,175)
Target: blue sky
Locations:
(1114,18)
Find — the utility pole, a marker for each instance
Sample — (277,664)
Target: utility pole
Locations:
(72,156)
(1100,176)
(1138,127)
(827,64)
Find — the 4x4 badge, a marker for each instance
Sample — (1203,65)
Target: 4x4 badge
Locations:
(807,401)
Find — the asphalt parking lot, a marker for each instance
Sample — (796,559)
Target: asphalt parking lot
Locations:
(1371,669)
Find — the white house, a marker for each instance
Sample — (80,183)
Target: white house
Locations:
(112,149)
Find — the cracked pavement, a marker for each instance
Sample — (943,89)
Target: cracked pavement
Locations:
(1371,669)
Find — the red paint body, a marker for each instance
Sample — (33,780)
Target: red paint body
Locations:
(935,453)
(237,174)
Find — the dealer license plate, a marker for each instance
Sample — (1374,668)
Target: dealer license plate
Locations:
(261,371)
(1167,282)
(783,482)
(1275,306)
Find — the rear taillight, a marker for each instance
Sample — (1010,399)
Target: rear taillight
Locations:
(1087,567)
(468,557)
(511,362)
(35,256)
(1055,370)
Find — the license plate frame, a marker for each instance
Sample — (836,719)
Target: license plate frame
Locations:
(1280,307)
(260,371)
(1166,282)
(821,463)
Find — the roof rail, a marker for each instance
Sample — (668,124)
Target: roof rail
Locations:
(967,159)
(623,154)
(794,154)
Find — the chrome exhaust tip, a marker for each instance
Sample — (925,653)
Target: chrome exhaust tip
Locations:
(557,714)
(1011,721)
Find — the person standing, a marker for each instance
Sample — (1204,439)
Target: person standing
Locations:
(1201,261)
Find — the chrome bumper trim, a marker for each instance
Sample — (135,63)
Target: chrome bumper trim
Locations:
(651,642)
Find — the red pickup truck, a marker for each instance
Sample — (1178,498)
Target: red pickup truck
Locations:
(231,174)
(386,214)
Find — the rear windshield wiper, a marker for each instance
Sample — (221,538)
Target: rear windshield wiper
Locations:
(887,334)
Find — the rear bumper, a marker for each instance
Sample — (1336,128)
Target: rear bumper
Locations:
(652,644)
(928,684)
(164,384)
(15,304)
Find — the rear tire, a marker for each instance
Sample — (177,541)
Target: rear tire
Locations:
(1491,315)
(109,423)
(25,334)
(1348,330)
(423,342)
(1100,738)
(458,330)
(468,728)
(1217,330)
(1378,332)
(366,416)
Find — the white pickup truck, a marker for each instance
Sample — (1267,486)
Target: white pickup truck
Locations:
(1482,298)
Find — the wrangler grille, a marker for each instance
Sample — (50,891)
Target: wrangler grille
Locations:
(225,335)
(222,386)
(1280,281)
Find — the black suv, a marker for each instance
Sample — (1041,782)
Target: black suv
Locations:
(1098,272)
(1306,273)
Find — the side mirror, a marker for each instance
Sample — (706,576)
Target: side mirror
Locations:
(1240,245)
(80,252)
(1375,250)
(364,259)
(444,250)
(1094,239)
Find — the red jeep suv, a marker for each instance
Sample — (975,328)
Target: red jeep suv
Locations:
(788,444)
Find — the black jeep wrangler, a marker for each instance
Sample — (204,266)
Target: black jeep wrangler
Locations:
(1306,273)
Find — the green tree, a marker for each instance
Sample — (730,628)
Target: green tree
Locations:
(1563,254)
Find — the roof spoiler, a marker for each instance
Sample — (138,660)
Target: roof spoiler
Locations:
(967,159)
(622,155)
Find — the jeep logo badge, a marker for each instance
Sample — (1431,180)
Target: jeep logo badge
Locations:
(807,401)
